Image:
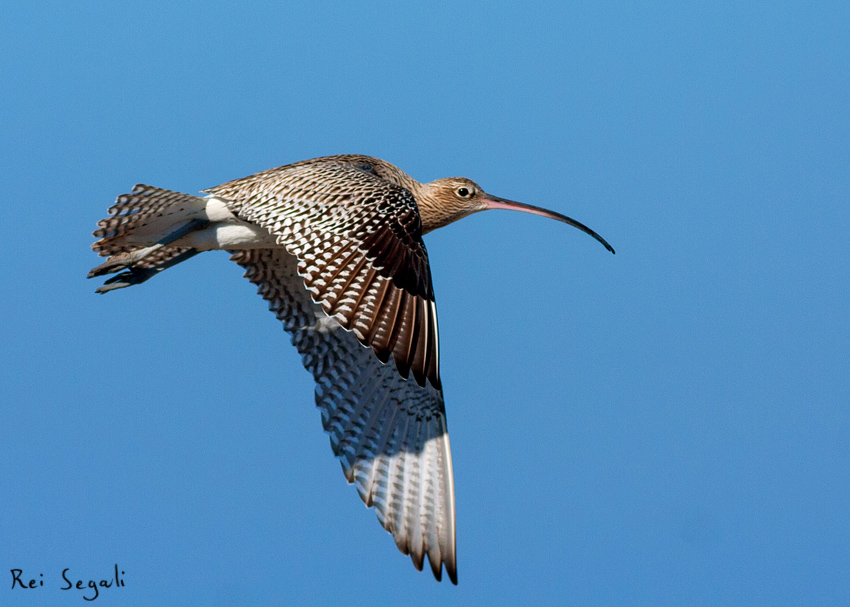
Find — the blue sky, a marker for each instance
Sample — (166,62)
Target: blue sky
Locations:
(667,426)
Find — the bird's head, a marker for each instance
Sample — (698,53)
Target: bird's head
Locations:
(451,198)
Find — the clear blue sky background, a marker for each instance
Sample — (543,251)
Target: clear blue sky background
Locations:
(667,426)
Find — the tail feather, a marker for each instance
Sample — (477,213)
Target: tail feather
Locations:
(143,217)
(138,274)
(137,235)
(147,257)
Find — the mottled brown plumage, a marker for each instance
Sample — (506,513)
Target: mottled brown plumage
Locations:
(335,246)
(357,234)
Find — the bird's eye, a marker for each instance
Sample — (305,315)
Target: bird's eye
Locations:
(464,192)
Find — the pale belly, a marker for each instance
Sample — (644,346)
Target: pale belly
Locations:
(226,231)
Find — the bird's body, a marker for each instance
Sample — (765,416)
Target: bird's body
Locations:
(335,246)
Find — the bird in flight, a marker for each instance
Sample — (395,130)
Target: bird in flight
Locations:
(335,246)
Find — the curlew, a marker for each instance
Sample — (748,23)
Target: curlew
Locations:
(335,246)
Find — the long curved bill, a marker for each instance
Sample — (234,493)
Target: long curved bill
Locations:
(493,202)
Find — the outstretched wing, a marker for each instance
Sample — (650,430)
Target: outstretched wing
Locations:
(358,240)
(389,433)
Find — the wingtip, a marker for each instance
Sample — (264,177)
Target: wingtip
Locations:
(452,572)
(418,560)
(437,570)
